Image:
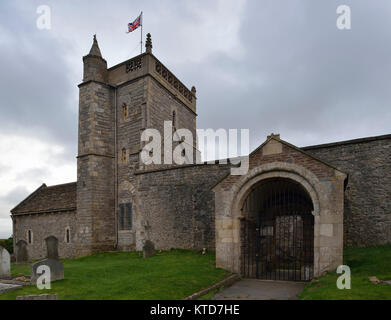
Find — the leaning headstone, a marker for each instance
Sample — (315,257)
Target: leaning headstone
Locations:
(148,249)
(39,297)
(5,264)
(56,270)
(52,247)
(5,287)
(21,251)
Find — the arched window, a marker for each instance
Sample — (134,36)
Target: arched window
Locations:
(124,111)
(123,155)
(29,237)
(67,235)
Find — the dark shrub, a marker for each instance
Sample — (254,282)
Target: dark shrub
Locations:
(8,244)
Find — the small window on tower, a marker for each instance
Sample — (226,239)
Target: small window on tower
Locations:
(174,119)
(129,215)
(124,111)
(123,155)
(122,217)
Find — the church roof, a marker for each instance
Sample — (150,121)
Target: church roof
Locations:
(48,199)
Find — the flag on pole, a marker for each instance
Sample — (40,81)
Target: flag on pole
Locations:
(135,24)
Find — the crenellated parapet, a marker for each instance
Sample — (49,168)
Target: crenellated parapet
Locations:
(147,64)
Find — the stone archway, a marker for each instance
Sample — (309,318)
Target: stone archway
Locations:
(327,211)
(277,232)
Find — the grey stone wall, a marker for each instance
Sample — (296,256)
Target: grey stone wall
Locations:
(133,96)
(160,107)
(95,170)
(177,206)
(43,225)
(367,214)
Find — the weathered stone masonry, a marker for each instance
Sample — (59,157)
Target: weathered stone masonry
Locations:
(177,205)
(192,206)
(278,159)
(96,159)
(367,214)
(47,211)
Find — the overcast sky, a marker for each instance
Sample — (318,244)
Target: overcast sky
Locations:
(270,66)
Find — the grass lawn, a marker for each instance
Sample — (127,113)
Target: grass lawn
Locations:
(174,274)
(363,263)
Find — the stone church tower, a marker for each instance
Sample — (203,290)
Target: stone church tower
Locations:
(116,105)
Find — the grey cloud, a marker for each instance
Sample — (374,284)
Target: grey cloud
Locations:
(301,76)
(15,196)
(32,174)
(37,98)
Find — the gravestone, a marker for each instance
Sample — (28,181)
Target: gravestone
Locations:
(56,270)
(51,247)
(21,251)
(148,249)
(5,264)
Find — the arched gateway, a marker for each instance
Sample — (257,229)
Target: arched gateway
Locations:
(277,232)
(283,220)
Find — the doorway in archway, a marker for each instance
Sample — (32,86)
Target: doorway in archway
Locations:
(277,232)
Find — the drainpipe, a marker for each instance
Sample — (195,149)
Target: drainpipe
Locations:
(115,168)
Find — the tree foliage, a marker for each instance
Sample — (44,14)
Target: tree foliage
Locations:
(8,244)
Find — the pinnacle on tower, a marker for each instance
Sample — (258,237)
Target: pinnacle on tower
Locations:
(148,44)
(95,51)
(95,67)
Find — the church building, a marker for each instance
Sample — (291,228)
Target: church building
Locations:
(288,218)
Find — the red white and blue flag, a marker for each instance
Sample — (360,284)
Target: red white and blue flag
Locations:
(135,24)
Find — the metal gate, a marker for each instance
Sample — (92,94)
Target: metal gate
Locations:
(277,232)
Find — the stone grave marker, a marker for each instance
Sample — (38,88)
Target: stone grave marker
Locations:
(5,264)
(56,270)
(21,251)
(148,249)
(52,247)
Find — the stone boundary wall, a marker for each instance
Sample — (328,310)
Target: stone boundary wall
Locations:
(178,205)
(367,213)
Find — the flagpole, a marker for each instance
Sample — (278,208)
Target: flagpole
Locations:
(142,22)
